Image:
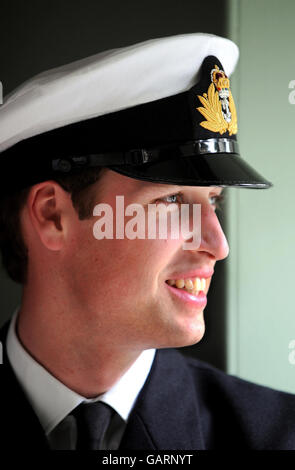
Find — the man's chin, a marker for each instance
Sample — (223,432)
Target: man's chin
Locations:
(194,338)
(185,337)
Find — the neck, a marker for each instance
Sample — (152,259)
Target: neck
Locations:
(89,361)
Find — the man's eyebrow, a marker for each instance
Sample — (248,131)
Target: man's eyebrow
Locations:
(161,190)
(153,191)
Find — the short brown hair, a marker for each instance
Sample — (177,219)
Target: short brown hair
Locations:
(13,249)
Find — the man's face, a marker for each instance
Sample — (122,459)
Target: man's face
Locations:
(120,285)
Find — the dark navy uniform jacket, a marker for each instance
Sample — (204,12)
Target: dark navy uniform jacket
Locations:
(185,404)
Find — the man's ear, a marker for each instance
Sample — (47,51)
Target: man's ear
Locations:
(49,207)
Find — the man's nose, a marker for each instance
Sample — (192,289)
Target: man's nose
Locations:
(213,240)
(210,236)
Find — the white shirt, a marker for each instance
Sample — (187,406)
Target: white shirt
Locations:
(52,401)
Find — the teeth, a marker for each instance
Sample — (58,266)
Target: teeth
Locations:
(189,285)
(203,286)
(193,286)
(179,283)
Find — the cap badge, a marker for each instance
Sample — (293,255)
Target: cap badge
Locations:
(219,107)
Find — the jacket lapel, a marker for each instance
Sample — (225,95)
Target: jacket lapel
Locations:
(20,427)
(166,413)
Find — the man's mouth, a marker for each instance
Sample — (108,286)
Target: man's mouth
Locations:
(192,286)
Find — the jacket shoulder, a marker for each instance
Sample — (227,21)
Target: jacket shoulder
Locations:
(233,406)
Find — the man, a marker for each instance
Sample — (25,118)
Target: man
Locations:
(87,358)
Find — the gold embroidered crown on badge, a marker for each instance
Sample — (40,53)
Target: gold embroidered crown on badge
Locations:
(218,105)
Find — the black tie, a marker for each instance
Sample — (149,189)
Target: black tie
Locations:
(92,422)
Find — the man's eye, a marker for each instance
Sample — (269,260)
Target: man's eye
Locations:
(172,199)
(217,201)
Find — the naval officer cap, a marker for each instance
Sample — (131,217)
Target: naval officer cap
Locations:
(161,111)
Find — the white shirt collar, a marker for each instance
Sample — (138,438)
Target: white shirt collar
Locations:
(52,401)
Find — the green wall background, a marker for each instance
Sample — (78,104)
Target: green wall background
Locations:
(261,223)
